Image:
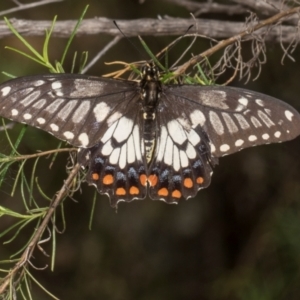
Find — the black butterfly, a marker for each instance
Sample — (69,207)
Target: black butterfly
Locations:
(146,137)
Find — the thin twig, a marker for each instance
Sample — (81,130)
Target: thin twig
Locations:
(101,53)
(27,6)
(28,156)
(27,254)
(222,44)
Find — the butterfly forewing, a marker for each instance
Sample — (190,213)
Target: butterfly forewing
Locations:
(235,118)
(78,109)
(139,136)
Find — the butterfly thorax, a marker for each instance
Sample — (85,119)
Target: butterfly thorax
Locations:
(150,95)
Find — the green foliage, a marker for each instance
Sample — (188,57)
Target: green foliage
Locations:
(17,278)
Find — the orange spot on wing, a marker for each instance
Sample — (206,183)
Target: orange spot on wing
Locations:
(108,179)
(120,192)
(153,180)
(143,179)
(163,192)
(134,190)
(176,194)
(200,180)
(95,176)
(188,183)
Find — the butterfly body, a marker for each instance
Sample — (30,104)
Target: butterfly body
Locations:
(145,138)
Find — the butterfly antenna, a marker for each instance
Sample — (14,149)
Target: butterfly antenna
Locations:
(173,44)
(128,39)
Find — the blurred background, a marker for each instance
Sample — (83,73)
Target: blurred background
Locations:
(238,239)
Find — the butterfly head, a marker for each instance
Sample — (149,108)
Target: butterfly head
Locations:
(150,72)
(150,88)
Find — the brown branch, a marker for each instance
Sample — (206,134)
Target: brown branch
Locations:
(28,156)
(144,27)
(246,33)
(27,6)
(210,8)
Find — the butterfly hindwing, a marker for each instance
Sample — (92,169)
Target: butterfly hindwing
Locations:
(116,165)
(182,161)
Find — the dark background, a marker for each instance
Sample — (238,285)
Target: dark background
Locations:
(238,239)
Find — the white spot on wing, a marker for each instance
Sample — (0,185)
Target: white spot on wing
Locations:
(109,132)
(130,150)
(242,121)
(5,91)
(69,135)
(224,148)
(168,157)
(107,148)
(252,138)
(87,88)
(83,139)
(38,82)
(54,127)
(193,137)
(101,111)
(277,134)
(27,116)
(265,118)
(239,142)
(243,101)
(183,159)
(39,104)
(81,111)
(212,148)
(289,115)
(114,157)
(176,159)
(122,159)
(123,130)
(260,102)
(229,123)
(255,122)
(216,123)
(41,120)
(176,132)
(213,98)
(197,118)
(56,85)
(66,109)
(52,108)
(162,143)
(190,151)
(265,136)
(14,112)
(136,140)
(30,98)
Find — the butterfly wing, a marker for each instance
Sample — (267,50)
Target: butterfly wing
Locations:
(99,115)
(182,162)
(75,108)
(235,118)
(116,165)
(199,124)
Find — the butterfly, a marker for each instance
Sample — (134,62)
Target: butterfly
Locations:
(139,138)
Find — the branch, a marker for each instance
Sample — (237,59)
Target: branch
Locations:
(210,8)
(144,27)
(28,252)
(27,6)
(240,36)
